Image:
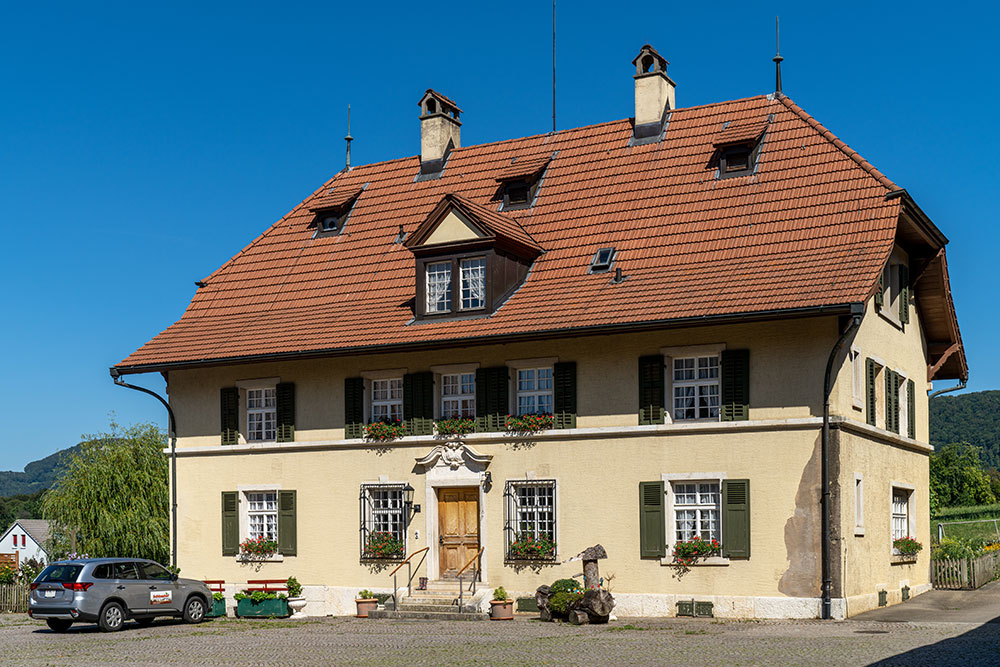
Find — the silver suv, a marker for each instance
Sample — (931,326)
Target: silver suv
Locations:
(107,591)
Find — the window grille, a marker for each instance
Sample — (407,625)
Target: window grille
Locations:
(900,514)
(473,283)
(458,395)
(262,512)
(438,287)
(696,511)
(696,388)
(530,512)
(534,391)
(383,510)
(262,417)
(387,400)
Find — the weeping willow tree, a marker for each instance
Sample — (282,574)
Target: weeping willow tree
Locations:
(112,499)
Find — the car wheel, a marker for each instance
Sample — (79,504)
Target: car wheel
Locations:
(194,610)
(145,621)
(112,617)
(58,624)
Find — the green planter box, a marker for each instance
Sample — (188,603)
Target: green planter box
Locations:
(218,609)
(266,608)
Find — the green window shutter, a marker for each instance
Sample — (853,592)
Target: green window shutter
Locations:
(285,408)
(736,518)
(230,524)
(911,410)
(891,402)
(286,523)
(652,521)
(418,403)
(904,293)
(870,400)
(651,389)
(491,399)
(230,400)
(354,407)
(880,291)
(735,385)
(564,393)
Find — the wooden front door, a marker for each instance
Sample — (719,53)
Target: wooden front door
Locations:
(458,529)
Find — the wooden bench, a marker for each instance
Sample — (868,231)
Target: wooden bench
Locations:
(216,585)
(267,585)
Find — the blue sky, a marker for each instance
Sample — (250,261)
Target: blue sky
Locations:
(143,145)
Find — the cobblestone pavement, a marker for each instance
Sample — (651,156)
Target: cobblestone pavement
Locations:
(522,641)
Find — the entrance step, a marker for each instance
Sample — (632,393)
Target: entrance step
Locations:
(430,615)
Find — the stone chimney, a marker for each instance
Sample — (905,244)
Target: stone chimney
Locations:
(654,93)
(440,131)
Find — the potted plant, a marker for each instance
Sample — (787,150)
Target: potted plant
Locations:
(218,605)
(501,606)
(529,547)
(529,423)
(450,426)
(385,430)
(383,546)
(905,549)
(690,551)
(295,600)
(366,602)
(259,603)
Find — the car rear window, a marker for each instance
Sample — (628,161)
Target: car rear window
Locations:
(60,574)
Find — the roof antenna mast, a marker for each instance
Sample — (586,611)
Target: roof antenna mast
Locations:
(348,138)
(777,57)
(553,65)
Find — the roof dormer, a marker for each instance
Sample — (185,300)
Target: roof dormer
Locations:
(332,209)
(519,182)
(738,146)
(468,259)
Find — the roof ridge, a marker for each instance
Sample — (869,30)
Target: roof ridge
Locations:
(844,148)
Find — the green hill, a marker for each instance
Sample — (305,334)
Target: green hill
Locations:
(972,418)
(37,476)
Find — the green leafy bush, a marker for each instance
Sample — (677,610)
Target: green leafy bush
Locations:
(257,596)
(6,575)
(366,595)
(560,602)
(216,597)
(566,586)
(953,549)
(500,594)
(294,587)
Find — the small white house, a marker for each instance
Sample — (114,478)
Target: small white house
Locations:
(25,539)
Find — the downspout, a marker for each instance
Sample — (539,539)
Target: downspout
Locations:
(857,313)
(172,432)
(960,385)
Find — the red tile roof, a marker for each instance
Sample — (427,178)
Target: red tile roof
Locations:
(333,198)
(492,222)
(523,169)
(741,133)
(812,227)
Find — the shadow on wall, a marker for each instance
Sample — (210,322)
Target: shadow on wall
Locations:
(802,534)
(980,646)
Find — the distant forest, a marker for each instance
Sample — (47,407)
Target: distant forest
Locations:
(973,418)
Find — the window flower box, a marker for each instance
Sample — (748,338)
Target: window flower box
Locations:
(531,548)
(383,546)
(529,423)
(261,605)
(688,552)
(455,426)
(385,431)
(903,558)
(906,546)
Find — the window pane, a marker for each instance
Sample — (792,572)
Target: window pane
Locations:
(438,287)
(534,391)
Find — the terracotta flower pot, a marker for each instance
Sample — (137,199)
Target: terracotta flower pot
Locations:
(501,610)
(366,605)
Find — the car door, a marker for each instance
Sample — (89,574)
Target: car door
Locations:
(128,586)
(162,591)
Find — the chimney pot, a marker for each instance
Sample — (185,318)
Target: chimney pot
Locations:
(440,131)
(654,93)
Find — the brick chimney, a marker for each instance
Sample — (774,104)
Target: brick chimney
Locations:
(654,93)
(440,131)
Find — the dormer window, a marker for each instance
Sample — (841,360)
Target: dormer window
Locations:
(520,181)
(737,148)
(469,259)
(602,261)
(329,223)
(332,210)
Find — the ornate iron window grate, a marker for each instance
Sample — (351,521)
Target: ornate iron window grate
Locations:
(384,521)
(530,519)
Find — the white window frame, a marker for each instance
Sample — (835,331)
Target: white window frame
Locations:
(267,511)
(686,351)
(911,506)
(465,285)
(669,479)
(400,511)
(857,379)
(904,404)
(535,392)
(859,505)
(245,387)
(389,402)
(514,521)
(242,494)
(457,398)
(513,365)
(431,307)
(892,289)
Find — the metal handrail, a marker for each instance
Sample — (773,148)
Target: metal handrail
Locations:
(409,577)
(475,577)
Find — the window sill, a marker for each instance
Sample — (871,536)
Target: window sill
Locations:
(531,561)
(903,559)
(713,561)
(276,558)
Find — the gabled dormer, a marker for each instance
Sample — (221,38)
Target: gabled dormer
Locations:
(468,259)
(738,146)
(519,182)
(332,209)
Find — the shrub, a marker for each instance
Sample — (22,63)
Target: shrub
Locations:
(500,594)
(216,597)
(6,575)
(294,587)
(366,595)
(561,601)
(954,549)
(566,586)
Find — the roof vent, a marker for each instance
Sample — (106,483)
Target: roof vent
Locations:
(654,93)
(440,132)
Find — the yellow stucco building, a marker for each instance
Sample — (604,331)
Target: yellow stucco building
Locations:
(711,323)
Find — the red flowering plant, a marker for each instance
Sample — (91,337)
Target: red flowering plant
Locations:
(907,546)
(529,423)
(258,547)
(690,551)
(528,547)
(385,430)
(455,425)
(383,545)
